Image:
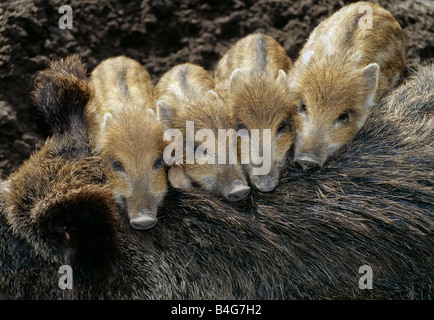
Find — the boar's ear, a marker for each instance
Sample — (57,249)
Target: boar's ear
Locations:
(177,177)
(213,95)
(235,77)
(106,120)
(370,81)
(165,113)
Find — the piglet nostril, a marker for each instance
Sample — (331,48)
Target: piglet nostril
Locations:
(308,161)
(238,192)
(265,183)
(143,221)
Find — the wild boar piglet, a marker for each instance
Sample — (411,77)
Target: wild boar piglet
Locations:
(251,77)
(349,62)
(188,103)
(124,129)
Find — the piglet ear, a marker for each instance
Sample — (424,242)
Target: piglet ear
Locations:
(292,83)
(370,76)
(178,178)
(152,113)
(306,57)
(235,78)
(303,61)
(281,77)
(370,81)
(106,120)
(165,113)
(213,95)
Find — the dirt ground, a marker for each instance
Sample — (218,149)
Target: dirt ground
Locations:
(159,34)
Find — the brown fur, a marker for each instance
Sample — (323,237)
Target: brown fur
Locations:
(129,137)
(257,95)
(77,202)
(58,201)
(335,81)
(185,94)
(253,52)
(60,94)
(305,240)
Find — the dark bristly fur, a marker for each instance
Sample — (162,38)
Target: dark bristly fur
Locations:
(56,207)
(61,94)
(371,205)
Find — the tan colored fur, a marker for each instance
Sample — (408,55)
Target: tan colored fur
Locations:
(187,92)
(253,52)
(128,135)
(257,94)
(329,78)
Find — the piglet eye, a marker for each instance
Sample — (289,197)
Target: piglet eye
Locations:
(283,126)
(158,163)
(241,129)
(240,126)
(117,166)
(302,106)
(344,117)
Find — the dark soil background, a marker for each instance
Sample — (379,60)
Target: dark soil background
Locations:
(159,34)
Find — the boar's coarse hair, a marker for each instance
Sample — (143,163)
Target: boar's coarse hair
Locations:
(372,204)
(56,209)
